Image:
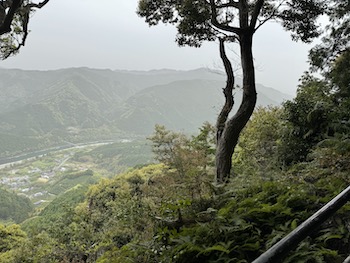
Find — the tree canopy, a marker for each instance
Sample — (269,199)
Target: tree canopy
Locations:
(336,36)
(204,20)
(14,20)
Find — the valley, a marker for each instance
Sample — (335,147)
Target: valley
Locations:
(67,128)
(44,177)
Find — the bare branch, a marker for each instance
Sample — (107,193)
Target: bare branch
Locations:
(39,5)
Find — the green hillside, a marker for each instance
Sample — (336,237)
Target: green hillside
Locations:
(181,105)
(49,108)
(13,207)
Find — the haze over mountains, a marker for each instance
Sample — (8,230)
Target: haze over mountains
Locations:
(41,109)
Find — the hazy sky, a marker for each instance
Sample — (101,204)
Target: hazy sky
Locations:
(109,34)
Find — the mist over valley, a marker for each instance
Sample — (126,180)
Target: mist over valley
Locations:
(44,109)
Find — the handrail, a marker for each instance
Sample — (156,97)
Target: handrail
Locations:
(280,250)
(347,260)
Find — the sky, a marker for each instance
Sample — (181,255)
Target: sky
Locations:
(109,34)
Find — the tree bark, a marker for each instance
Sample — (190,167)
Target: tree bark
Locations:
(226,109)
(233,127)
(7,18)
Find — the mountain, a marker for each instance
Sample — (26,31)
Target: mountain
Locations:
(183,105)
(179,105)
(41,109)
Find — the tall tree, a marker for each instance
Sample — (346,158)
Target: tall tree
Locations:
(14,19)
(233,21)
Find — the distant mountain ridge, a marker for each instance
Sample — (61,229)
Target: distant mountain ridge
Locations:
(45,108)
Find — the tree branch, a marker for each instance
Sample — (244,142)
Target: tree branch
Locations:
(6,25)
(216,23)
(24,38)
(39,5)
(264,21)
(226,109)
(271,16)
(257,8)
(17,7)
(230,4)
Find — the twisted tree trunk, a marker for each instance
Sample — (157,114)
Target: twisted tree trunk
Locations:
(228,134)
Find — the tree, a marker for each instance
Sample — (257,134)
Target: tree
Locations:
(319,112)
(11,236)
(336,38)
(232,21)
(307,119)
(14,20)
(190,157)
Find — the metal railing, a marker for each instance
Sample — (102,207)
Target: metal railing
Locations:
(281,249)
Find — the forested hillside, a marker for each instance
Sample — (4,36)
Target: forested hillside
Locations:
(225,173)
(41,109)
(14,208)
(290,161)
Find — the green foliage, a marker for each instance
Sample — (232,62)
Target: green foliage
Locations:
(57,234)
(69,180)
(335,39)
(236,224)
(10,237)
(180,152)
(339,75)
(333,154)
(194,20)
(307,119)
(319,112)
(247,222)
(191,158)
(155,213)
(14,207)
(257,151)
(117,157)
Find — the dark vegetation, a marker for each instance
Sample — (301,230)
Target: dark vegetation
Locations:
(13,207)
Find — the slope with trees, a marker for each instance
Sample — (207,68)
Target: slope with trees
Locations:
(171,212)
(41,109)
(13,207)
